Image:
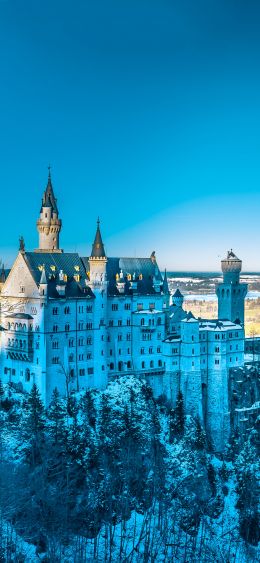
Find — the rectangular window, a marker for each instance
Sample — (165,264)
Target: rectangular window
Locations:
(114,307)
(90,371)
(140,306)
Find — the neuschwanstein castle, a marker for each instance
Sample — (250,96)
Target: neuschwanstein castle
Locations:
(76,322)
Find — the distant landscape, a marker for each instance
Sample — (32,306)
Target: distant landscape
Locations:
(198,289)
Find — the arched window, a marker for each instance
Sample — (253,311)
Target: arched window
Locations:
(143,365)
(142,322)
(128,364)
(27,375)
(151,364)
(111,365)
(222,293)
(120,366)
(160,363)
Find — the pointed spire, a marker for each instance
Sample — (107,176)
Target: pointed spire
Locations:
(98,250)
(21,244)
(165,286)
(49,199)
(43,280)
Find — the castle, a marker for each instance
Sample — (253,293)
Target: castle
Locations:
(75,322)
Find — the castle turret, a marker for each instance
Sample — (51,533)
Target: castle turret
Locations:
(231,293)
(177,298)
(98,285)
(43,286)
(49,224)
(98,259)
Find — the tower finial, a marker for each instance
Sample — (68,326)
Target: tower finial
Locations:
(21,244)
(98,221)
(49,172)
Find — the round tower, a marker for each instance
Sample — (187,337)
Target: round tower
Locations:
(49,224)
(231,293)
(231,267)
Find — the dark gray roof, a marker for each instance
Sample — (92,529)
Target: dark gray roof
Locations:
(71,265)
(177,293)
(143,267)
(177,314)
(98,250)
(20,316)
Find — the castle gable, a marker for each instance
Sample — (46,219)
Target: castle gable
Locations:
(20,280)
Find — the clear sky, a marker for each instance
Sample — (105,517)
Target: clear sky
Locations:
(148,112)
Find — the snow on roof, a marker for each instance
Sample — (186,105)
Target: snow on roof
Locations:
(148,312)
(172,338)
(216,324)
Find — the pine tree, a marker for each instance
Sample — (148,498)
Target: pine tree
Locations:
(247,470)
(1,390)
(56,416)
(200,435)
(212,479)
(34,426)
(177,418)
(87,405)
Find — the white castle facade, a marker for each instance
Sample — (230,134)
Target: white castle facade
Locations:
(75,322)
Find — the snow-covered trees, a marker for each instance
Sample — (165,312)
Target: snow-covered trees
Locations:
(114,473)
(248,490)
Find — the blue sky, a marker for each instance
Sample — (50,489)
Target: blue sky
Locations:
(149,114)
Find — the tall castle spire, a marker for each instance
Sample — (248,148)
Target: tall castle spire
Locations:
(98,260)
(98,250)
(49,224)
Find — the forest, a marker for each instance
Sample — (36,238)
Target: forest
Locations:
(116,475)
